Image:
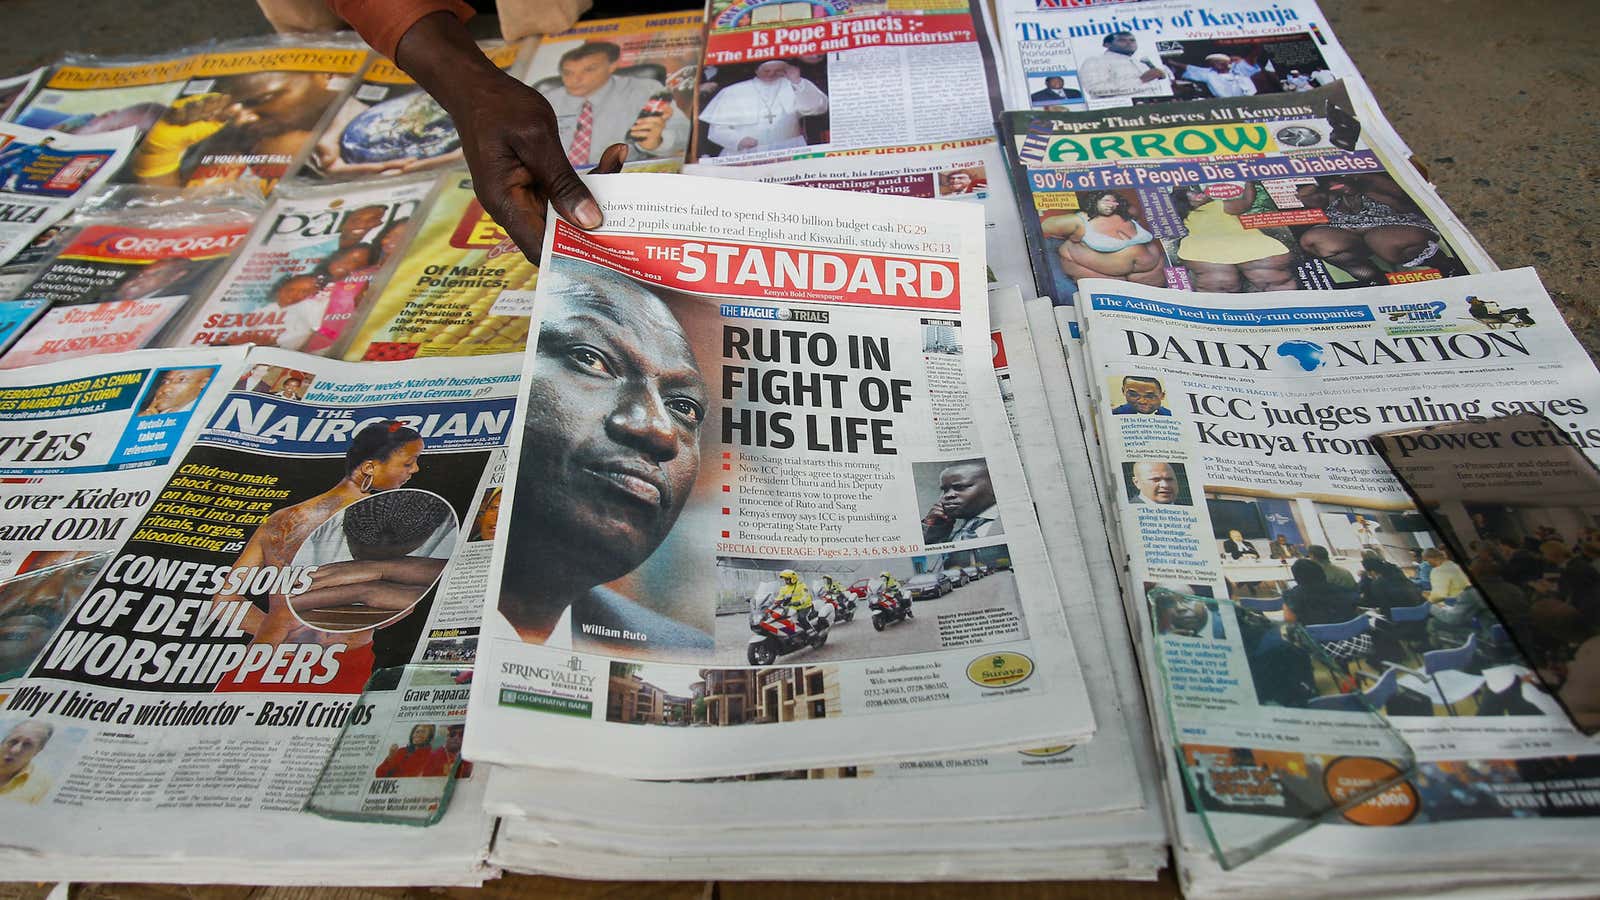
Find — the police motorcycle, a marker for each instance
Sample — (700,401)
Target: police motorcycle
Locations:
(842,601)
(888,606)
(775,631)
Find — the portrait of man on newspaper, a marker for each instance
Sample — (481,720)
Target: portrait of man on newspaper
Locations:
(610,455)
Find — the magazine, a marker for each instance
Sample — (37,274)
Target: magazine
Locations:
(302,276)
(865,75)
(44,174)
(636,76)
(122,274)
(851,458)
(1289,191)
(1284,582)
(459,288)
(17,91)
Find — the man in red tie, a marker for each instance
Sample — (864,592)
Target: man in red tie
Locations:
(595,106)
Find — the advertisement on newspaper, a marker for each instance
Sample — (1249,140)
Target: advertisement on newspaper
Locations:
(119,279)
(1291,191)
(45,174)
(975,173)
(1287,584)
(772,88)
(1106,58)
(628,80)
(246,112)
(773,448)
(390,126)
(296,548)
(460,288)
(302,276)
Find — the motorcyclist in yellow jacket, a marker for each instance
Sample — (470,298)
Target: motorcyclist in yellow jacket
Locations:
(892,589)
(795,595)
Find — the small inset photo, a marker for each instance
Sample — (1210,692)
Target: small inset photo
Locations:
(426,752)
(175,390)
(290,384)
(941,336)
(33,754)
(1156,482)
(966,180)
(955,500)
(486,521)
(374,559)
(1138,394)
(1184,610)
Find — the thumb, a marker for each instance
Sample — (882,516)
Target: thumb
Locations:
(556,180)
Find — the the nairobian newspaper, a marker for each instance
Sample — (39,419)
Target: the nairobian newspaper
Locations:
(45,174)
(1285,584)
(460,287)
(866,75)
(1287,191)
(1106,57)
(303,275)
(637,78)
(388,125)
(737,395)
(122,274)
(298,548)
(976,173)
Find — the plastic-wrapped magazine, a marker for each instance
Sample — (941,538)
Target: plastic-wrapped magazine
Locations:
(302,276)
(45,174)
(123,273)
(247,110)
(459,288)
(857,441)
(1103,58)
(636,77)
(390,126)
(856,76)
(18,90)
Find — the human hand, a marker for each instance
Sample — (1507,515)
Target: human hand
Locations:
(199,108)
(792,72)
(647,130)
(1152,75)
(748,143)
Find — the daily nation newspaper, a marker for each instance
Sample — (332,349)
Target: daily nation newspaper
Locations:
(388,125)
(1288,191)
(734,441)
(45,174)
(460,287)
(975,174)
(295,551)
(635,76)
(866,75)
(123,273)
(1264,531)
(303,275)
(1099,57)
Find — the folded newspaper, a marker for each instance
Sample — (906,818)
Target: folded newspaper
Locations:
(729,400)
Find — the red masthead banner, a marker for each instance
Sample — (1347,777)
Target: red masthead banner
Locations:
(758,272)
(811,37)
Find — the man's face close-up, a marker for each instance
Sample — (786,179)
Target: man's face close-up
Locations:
(965,491)
(152,279)
(615,406)
(1144,396)
(178,387)
(1125,44)
(586,74)
(1157,482)
(21,745)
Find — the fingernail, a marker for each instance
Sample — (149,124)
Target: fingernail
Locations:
(588,214)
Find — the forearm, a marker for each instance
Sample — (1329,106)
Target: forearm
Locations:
(440,54)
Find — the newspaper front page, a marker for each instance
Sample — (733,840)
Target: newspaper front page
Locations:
(813,420)
(297,548)
(45,174)
(1289,191)
(1237,445)
(1105,58)
(866,75)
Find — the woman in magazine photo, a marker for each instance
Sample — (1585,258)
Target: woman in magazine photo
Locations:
(1104,240)
(1371,220)
(381,457)
(1222,254)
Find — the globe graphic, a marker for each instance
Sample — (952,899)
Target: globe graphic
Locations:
(409,127)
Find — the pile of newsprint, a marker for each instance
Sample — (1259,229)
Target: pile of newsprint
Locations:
(996,488)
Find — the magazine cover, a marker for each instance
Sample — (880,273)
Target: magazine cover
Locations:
(390,126)
(300,278)
(45,174)
(245,114)
(120,278)
(460,288)
(627,80)
(18,90)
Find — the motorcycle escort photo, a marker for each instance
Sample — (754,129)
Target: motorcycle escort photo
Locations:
(889,606)
(778,629)
(842,601)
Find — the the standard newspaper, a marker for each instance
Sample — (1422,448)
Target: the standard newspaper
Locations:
(295,551)
(1104,58)
(719,415)
(852,77)
(629,80)
(976,173)
(302,277)
(1285,585)
(45,174)
(1288,191)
